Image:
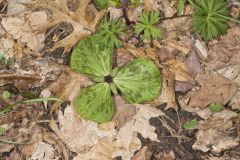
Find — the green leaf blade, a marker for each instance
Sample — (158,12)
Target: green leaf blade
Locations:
(190,124)
(139,81)
(95,103)
(215,107)
(87,58)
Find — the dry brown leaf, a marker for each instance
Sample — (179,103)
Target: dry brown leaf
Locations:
(61,13)
(214,88)
(180,71)
(165,156)
(226,47)
(20,28)
(141,155)
(139,121)
(141,52)
(123,56)
(213,133)
(95,142)
(193,64)
(151,5)
(36,138)
(124,112)
(178,45)
(44,151)
(167,93)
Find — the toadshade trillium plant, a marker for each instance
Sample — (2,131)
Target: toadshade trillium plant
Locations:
(137,81)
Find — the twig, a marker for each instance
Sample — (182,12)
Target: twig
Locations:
(173,17)
(19,76)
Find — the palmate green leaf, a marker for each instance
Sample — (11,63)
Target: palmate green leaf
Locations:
(208,19)
(87,58)
(146,27)
(108,33)
(139,80)
(95,103)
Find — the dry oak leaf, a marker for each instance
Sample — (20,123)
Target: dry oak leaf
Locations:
(179,69)
(138,122)
(92,141)
(61,13)
(213,133)
(44,151)
(142,154)
(20,28)
(225,49)
(213,88)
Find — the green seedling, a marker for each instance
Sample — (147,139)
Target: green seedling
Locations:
(108,33)
(6,94)
(190,124)
(146,26)
(138,81)
(209,18)
(215,107)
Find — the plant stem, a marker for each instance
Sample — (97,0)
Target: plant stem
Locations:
(167,18)
(11,142)
(229,18)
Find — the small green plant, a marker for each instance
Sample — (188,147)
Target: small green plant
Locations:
(180,7)
(6,94)
(209,18)
(146,26)
(215,107)
(138,81)
(190,124)
(101,4)
(108,33)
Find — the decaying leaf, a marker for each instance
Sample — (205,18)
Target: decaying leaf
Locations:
(103,141)
(142,154)
(124,111)
(140,120)
(213,133)
(167,92)
(67,86)
(61,13)
(214,88)
(44,151)
(180,71)
(22,26)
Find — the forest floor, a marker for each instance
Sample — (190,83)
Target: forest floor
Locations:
(37,38)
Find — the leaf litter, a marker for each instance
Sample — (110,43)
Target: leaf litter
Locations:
(195,74)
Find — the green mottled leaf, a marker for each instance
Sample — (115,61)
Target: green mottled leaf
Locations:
(95,103)
(88,59)
(215,107)
(190,124)
(139,80)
